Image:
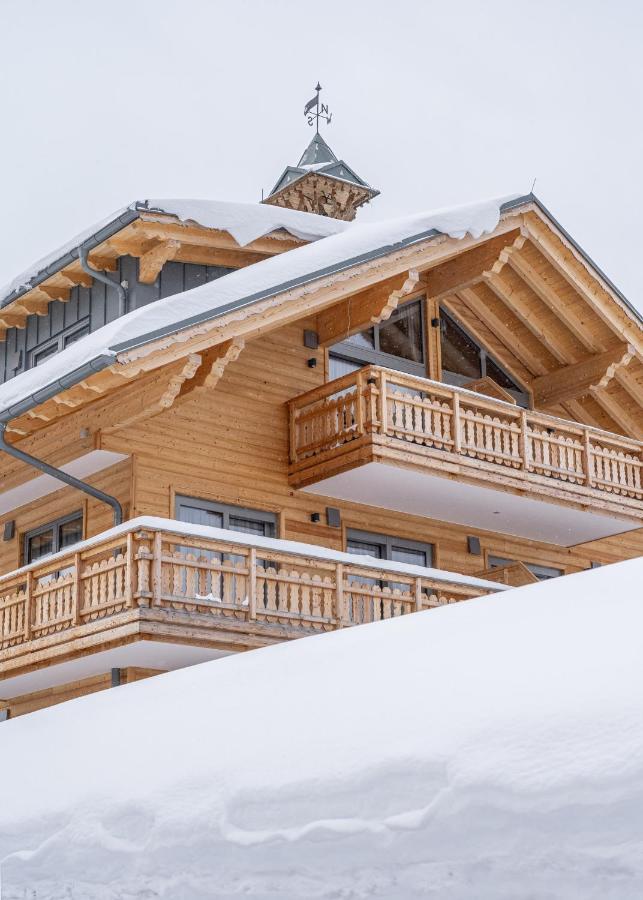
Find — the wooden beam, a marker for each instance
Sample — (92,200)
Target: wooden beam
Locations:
(149,403)
(55,293)
(521,304)
(376,304)
(552,299)
(101,262)
(631,425)
(467,269)
(76,277)
(215,361)
(215,256)
(605,303)
(570,382)
(504,330)
(12,319)
(150,226)
(151,263)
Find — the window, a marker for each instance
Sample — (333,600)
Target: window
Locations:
(463,360)
(53,537)
(221,515)
(397,343)
(542,573)
(383,546)
(54,345)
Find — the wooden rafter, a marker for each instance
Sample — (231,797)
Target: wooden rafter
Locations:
(151,262)
(631,425)
(158,396)
(467,268)
(376,304)
(215,362)
(543,289)
(504,328)
(570,382)
(605,303)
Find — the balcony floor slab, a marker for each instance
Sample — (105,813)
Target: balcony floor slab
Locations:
(419,493)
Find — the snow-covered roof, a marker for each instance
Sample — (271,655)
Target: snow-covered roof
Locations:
(487,749)
(246,222)
(350,244)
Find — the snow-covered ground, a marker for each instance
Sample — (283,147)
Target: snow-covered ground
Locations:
(490,750)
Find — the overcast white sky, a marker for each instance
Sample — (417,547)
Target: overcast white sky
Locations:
(434,103)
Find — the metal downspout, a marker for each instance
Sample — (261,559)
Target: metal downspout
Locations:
(100,276)
(60,475)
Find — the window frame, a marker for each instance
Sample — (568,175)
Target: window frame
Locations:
(497,562)
(365,356)
(521,395)
(54,525)
(388,542)
(226,510)
(59,341)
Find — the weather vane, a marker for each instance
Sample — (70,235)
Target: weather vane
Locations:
(321,110)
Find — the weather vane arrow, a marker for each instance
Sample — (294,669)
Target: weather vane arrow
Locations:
(321,110)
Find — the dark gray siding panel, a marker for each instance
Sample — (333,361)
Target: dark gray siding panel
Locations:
(98,305)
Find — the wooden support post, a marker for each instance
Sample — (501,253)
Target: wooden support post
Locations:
(457,430)
(252,584)
(359,402)
(76,588)
(383,401)
(524,440)
(587,458)
(157,568)
(418,594)
(28,605)
(340,613)
(130,572)
(293,412)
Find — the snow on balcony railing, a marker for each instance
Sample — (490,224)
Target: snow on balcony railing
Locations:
(165,564)
(414,410)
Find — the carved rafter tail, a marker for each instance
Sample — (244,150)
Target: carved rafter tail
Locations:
(215,362)
(365,308)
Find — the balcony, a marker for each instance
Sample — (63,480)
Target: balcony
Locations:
(158,580)
(392,440)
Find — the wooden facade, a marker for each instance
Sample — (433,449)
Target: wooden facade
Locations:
(235,413)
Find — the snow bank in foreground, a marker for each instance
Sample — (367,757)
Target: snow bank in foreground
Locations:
(490,750)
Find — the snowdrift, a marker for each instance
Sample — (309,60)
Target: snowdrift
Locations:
(491,749)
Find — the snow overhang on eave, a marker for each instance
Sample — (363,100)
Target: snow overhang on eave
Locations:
(111,356)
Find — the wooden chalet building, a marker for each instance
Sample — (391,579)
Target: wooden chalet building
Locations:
(271,421)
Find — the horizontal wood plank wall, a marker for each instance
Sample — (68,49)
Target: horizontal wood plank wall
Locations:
(97,516)
(231,445)
(26,703)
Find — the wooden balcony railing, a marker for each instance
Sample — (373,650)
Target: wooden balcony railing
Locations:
(423,414)
(164,565)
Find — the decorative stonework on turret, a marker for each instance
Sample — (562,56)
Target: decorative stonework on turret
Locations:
(320,182)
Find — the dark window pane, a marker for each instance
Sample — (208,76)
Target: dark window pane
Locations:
(41,355)
(362,548)
(76,335)
(70,533)
(40,545)
(460,354)
(402,334)
(406,555)
(500,377)
(251,526)
(197,515)
(363,339)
